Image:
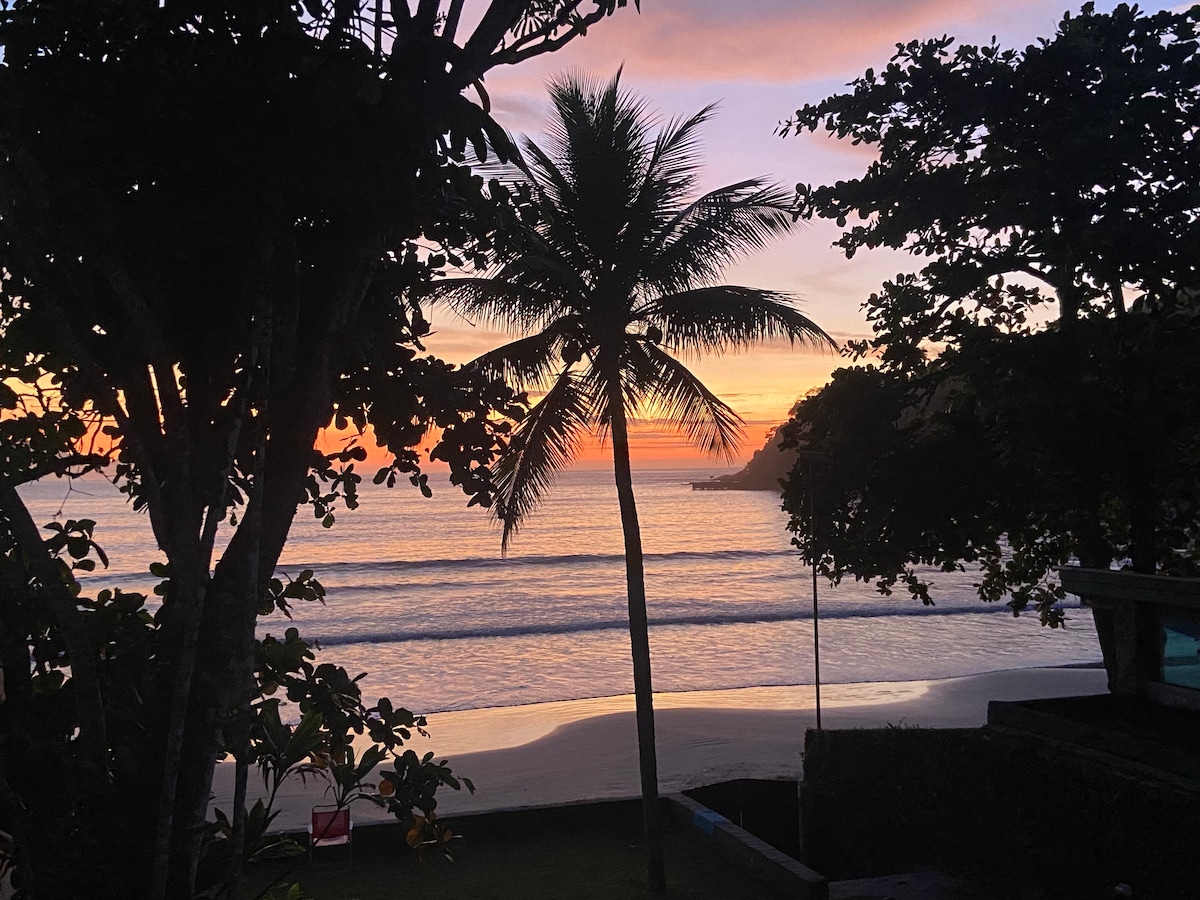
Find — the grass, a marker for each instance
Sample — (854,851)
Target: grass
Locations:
(580,862)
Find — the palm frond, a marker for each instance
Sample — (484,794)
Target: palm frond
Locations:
(598,129)
(545,442)
(714,231)
(558,199)
(727,317)
(600,142)
(670,178)
(497,302)
(557,238)
(668,390)
(676,158)
(531,362)
(547,254)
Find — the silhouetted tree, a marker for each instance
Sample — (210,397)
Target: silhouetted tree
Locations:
(209,213)
(1034,400)
(613,270)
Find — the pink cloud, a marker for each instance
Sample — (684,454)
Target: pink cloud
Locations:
(773,41)
(521,113)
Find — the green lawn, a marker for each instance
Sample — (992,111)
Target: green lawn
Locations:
(579,862)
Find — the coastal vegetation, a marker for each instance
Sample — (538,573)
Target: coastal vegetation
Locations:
(1030,398)
(610,273)
(209,217)
(219,222)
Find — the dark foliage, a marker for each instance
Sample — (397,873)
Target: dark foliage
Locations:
(996,430)
(210,215)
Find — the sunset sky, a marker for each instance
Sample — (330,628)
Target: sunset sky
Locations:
(759,60)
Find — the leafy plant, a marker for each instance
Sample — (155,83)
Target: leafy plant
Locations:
(46,814)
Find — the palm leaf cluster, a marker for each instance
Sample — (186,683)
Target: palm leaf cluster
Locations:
(616,280)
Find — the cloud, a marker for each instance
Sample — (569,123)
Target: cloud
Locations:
(520,113)
(772,41)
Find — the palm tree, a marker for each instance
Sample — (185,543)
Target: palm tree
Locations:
(614,276)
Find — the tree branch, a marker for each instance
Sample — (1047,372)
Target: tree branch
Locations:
(499,19)
(105,398)
(547,44)
(400,11)
(562,18)
(149,337)
(59,466)
(141,321)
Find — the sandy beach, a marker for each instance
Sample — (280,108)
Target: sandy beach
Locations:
(551,753)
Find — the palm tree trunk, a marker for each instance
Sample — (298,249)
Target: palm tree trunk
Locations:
(639,640)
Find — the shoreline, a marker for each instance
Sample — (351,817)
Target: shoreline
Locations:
(825,685)
(575,750)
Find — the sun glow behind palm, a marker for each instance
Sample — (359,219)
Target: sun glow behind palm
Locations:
(617,282)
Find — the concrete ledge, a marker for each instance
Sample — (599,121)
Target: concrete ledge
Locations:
(748,852)
(1135,755)
(1130,586)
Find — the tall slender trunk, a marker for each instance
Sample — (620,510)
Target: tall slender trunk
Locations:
(237,837)
(223,676)
(190,594)
(299,392)
(1139,427)
(639,640)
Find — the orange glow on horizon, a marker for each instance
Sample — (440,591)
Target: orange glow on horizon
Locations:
(650,447)
(761,384)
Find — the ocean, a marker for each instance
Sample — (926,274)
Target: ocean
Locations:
(420,598)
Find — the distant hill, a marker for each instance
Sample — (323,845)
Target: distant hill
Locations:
(766,467)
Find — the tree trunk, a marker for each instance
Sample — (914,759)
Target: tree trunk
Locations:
(639,639)
(1139,427)
(222,679)
(299,394)
(190,597)
(237,839)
